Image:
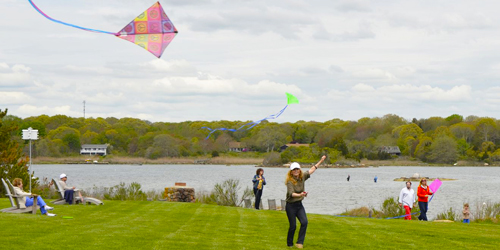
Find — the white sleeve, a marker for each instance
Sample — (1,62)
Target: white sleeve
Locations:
(401,196)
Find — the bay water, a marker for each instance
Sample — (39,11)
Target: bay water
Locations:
(329,190)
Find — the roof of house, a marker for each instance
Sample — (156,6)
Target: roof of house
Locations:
(297,145)
(391,149)
(95,146)
(235,144)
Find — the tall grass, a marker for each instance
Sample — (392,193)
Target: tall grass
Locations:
(390,208)
(123,192)
(226,193)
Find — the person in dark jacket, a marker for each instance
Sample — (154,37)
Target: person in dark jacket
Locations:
(258,186)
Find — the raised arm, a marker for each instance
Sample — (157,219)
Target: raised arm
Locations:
(315,166)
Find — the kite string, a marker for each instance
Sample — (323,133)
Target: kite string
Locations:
(68,24)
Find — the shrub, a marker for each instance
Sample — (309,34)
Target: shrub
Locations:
(123,192)
(449,215)
(272,159)
(226,194)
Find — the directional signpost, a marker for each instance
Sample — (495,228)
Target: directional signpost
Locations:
(30,134)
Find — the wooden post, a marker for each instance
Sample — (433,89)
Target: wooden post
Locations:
(283,205)
(35,200)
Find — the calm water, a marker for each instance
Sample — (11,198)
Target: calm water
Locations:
(329,191)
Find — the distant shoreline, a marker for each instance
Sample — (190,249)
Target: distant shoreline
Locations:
(231,160)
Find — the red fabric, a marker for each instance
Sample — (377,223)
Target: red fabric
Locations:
(421,192)
(408,213)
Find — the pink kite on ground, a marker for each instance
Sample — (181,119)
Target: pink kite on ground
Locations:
(434,186)
(152,30)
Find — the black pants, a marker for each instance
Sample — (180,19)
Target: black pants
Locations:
(258,195)
(423,210)
(293,211)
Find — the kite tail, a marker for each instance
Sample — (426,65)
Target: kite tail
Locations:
(68,24)
(255,123)
(250,124)
(213,130)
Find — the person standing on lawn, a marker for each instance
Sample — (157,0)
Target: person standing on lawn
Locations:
(407,199)
(295,193)
(423,192)
(258,186)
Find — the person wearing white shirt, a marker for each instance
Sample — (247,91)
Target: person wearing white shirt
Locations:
(407,199)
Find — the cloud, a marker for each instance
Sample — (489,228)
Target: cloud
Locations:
(363,31)
(11,98)
(405,92)
(255,20)
(15,76)
(353,6)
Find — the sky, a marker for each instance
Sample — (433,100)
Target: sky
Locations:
(236,59)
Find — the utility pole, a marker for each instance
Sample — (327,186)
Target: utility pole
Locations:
(83,109)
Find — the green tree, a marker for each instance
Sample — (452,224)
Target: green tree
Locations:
(270,137)
(443,150)
(454,119)
(13,164)
(407,135)
(486,127)
(423,149)
(463,130)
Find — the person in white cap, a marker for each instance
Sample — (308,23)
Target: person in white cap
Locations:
(68,191)
(295,179)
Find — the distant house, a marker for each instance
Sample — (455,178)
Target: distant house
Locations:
(237,147)
(293,144)
(392,150)
(93,149)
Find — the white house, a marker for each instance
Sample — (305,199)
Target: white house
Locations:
(93,149)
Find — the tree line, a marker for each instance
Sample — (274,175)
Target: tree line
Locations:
(433,140)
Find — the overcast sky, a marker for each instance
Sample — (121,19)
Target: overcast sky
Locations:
(235,59)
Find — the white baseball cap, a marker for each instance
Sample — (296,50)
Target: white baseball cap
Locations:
(62,176)
(294,165)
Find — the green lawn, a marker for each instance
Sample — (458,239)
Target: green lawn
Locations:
(164,225)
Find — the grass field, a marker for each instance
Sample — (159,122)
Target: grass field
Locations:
(164,225)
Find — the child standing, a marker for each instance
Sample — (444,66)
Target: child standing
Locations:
(466,213)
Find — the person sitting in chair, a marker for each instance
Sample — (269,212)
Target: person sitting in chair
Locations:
(69,192)
(26,201)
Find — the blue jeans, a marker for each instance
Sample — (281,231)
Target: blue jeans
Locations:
(423,210)
(39,202)
(466,221)
(293,211)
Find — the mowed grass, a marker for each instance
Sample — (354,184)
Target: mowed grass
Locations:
(165,225)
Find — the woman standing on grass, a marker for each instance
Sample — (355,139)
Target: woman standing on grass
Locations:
(295,193)
(423,193)
(258,186)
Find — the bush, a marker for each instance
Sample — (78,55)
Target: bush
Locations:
(449,215)
(123,192)
(226,194)
(487,212)
(272,159)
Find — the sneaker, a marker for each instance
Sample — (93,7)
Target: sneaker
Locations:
(299,246)
(49,214)
(48,208)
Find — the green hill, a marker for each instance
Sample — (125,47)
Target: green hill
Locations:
(164,225)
